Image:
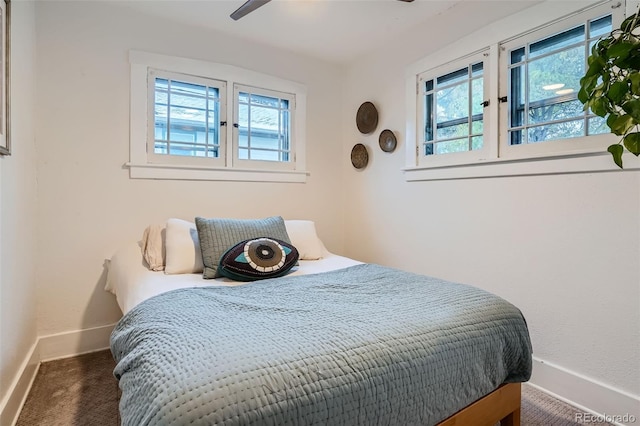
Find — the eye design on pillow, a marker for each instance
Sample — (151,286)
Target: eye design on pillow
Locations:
(257,259)
(264,255)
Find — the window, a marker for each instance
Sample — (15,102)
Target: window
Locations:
(452,101)
(543,71)
(264,124)
(515,99)
(195,120)
(187,117)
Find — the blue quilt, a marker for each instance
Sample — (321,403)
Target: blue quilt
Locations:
(365,345)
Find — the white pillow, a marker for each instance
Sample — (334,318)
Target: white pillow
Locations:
(183,255)
(302,234)
(153,246)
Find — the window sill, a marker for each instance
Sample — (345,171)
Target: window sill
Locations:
(570,164)
(183,172)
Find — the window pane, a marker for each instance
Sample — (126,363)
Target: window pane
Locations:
(554,109)
(477,97)
(516,137)
(187,150)
(565,130)
(186,117)
(428,149)
(453,103)
(476,142)
(264,118)
(454,77)
(451,130)
(597,126)
(558,41)
(544,87)
(428,117)
(517,55)
(459,145)
(600,27)
(263,127)
(516,100)
(264,100)
(428,86)
(264,139)
(453,110)
(243,137)
(476,69)
(284,137)
(477,127)
(556,74)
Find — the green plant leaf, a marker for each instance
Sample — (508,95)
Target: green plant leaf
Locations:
(627,24)
(632,143)
(635,83)
(598,105)
(632,108)
(617,91)
(621,125)
(616,150)
(583,96)
(611,119)
(620,50)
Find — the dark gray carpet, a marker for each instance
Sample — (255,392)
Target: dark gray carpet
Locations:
(82,391)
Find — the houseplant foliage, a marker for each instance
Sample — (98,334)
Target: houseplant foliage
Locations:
(611,85)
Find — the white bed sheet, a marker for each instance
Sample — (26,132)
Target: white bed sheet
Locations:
(132,283)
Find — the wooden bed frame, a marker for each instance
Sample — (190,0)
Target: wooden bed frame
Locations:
(502,405)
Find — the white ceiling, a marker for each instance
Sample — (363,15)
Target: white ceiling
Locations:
(332,30)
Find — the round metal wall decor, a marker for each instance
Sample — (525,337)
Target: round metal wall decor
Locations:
(359,156)
(387,140)
(367,118)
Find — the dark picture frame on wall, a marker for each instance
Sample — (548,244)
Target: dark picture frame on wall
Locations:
(5,71)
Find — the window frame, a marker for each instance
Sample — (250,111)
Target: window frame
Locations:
(498,163)
(463,157)
(143,165)
(154,158)
(570,146)
(264,164)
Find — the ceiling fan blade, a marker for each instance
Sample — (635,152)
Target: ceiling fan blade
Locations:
(407,1)
(248,7)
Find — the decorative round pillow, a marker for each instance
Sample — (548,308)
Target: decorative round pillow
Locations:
(257,259)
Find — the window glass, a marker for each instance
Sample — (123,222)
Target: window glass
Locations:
(544,80)
(453,111)
(264,126)
(186,118)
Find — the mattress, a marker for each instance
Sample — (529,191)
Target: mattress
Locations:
(132,282)
(359,345)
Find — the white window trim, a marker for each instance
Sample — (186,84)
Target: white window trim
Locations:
(139,165)
(593,158)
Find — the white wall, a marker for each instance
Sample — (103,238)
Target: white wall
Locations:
(18,202)
(88,205)
(564,248)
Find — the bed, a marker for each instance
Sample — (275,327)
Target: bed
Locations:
(333,342)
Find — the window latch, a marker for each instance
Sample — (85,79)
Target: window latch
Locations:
(223,123)
(484,104)
(502,99)
(235,125)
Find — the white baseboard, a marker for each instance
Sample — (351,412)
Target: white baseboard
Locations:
(585,393)
(48,348)
(11,405)
(72,343)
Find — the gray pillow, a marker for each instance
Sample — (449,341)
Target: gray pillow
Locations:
(219,235)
